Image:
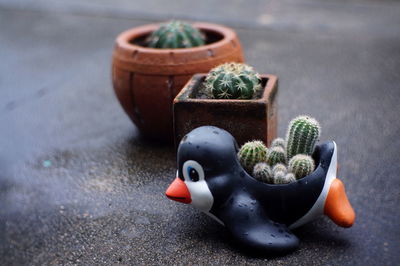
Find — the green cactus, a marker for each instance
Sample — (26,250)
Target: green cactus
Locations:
(251,153)
(262,172)
(301,165)
(279,167)
(290,177)
(279,142)
(175,34)
(279,177)
(276,155)
(301,136)
(232,81)
(282,178)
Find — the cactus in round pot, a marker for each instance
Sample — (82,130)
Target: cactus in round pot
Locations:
(251,153)
(276,155)
(232,81)
(262,172)
(302,133)
(301,165)
(175,34)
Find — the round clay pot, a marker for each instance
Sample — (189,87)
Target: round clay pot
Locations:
(146,80)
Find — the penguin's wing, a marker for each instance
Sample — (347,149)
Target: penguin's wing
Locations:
(254,231)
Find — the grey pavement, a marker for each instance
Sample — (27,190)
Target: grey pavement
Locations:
(78,184)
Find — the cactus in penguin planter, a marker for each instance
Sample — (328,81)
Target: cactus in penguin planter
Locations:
(251,153)
(279,172)
(302,133)
(262,172)
(276,155)
(232,81)
(175,34)
(279,167)
(279,142)
(301,165)
(281,178)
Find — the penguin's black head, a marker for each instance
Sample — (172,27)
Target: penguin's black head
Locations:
(213,148)
(207,167)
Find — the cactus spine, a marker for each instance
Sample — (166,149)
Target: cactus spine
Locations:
(232,81)
(251,153)
(301,165)
(176,34)
(301,136)
(262,172)
(279,142)
(276,155)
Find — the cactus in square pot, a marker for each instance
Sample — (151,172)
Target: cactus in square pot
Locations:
(152,63)
(232,81)
(232,96)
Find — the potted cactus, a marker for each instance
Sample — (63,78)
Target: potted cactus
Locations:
(232,96)
(216,177)
(151,63)
(286,160)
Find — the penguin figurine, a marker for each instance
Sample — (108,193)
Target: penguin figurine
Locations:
(258,215)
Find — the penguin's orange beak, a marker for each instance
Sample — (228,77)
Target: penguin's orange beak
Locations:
(178,191)
(337,206)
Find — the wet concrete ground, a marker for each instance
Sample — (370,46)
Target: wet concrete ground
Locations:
(78,185)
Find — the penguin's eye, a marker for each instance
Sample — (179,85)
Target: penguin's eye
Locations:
(193,174)
(192,171)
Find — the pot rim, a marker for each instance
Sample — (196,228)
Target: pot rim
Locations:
(269,88)
(124,39)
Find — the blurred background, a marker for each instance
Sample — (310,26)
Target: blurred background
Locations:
(79,186)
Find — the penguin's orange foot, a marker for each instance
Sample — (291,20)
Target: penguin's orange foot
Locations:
(337,206)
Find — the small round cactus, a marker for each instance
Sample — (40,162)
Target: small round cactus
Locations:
(281,178)
(279,142)
(176,34)
(290,177)
(279,167)
(276,155)
(301,136)
(262,172)
(251,153)
(301,165)
(232,81)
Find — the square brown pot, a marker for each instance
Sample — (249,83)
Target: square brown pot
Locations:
(245,119)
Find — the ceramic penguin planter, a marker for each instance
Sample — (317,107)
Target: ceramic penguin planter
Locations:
(258,215)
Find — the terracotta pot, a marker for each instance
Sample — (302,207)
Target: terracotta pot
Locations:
(245,119)
(146,80)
